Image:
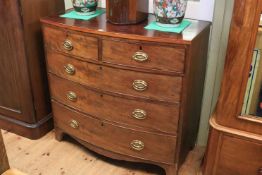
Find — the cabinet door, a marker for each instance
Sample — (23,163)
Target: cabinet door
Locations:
(15,93)
(239,157)
(241,83)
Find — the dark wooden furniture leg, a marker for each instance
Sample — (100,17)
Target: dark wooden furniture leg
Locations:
(59,134)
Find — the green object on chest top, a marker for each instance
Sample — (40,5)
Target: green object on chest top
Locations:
(74,15)
(178,29)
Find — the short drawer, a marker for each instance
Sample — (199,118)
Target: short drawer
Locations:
(154,57)
(126,141)
(138,84)
(71,43)
(133,112)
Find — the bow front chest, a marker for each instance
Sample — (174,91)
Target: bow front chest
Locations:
(126,92)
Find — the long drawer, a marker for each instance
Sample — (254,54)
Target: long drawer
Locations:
(148,115)
(138,84)
(144,145)
(145,56)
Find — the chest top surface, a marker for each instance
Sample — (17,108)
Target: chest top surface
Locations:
(100,26)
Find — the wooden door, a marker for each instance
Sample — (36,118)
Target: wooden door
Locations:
(15,92)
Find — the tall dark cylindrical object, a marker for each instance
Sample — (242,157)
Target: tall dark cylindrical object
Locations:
(126,11)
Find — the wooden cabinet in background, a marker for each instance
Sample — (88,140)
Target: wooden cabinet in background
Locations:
(126,92)
(235,140)
(24,97)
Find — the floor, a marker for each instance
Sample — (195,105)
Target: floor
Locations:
(47,156)
(13,172)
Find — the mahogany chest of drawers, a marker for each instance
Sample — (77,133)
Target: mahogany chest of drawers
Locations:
(126,92)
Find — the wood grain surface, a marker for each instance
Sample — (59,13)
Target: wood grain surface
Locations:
(116,109)
(16,97)
(232,154)
(235,142)
(121,52)
(157,147)
(83,46)
(159,87)
(13,172)
(127,12)
(242,40)
(24,103)
(99,26)
(31,11)
(238,156)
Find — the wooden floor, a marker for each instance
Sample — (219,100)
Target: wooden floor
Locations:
(13,172)
(47,156)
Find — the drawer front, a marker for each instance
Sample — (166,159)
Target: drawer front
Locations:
(144,56)
(240,157)
(71,43)
(150,116)
(145,145)
(144,85)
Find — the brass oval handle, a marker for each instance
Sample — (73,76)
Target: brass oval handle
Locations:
(74,124)
(140,56)
(71,96)
(140,85)
(68,45)
(139,114)
(137,145)
(69,69)
(259,172)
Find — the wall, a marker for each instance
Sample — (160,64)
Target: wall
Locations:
(216,58)
(194,10)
